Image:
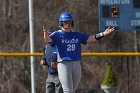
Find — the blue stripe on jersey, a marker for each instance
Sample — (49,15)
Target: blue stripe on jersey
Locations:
(68,44)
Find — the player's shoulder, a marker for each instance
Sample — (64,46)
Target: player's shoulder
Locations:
(59,30)
(76,32)
(56,32)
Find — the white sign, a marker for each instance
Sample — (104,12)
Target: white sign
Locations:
(135,22)
(111,23)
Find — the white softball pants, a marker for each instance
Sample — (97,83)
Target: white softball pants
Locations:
(69,73)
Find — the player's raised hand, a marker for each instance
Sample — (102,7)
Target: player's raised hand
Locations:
(46,34)
(45,30)
(108,31)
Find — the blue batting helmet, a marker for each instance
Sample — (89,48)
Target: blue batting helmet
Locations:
(65,16)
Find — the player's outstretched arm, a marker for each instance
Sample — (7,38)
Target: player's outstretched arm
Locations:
(100,35)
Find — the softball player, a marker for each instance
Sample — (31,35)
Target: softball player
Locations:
(68,43)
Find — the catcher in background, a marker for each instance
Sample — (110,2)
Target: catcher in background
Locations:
(68,44)
(53,84)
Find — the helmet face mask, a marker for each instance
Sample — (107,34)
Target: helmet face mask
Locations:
(65,16)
